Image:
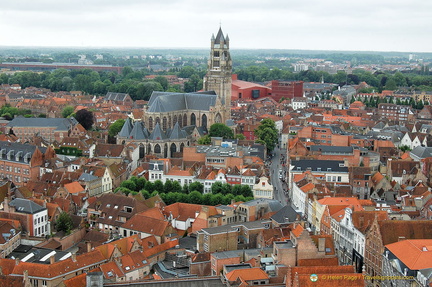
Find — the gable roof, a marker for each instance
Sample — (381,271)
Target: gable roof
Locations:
(162,102)
(415,254)
(247,274)
(393,230)
(26,206)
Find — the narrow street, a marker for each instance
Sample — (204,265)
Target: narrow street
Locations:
(277,181)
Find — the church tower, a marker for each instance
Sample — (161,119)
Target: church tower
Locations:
(218,77)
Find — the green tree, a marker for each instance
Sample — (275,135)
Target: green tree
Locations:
(168,187)
(221,130)
(149,186)
(195,197)
(158,185)
(204,140)
(240,136)
(198,186)
(162,81)
(145,193)
(129,184)
(216,187)
(64,223)
(116,127)
(67,111)
(267,133)
(176,187)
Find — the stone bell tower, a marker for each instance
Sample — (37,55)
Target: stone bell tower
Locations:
(218,77)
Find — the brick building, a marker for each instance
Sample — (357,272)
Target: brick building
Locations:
(247,90)
(50,129)
(32,216)
(385,232)
(21,163)
(286,89)
(394,112)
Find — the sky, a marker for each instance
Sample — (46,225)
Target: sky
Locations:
(348,25)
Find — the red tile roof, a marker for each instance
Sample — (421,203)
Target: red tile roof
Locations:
(415,254)
(247,274)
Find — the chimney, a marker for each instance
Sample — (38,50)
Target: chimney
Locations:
(1,270)
(26,278)
(89,246)
(6,204)
(74,256)
(321,244)
(52,259)
(361,221)
(17,261)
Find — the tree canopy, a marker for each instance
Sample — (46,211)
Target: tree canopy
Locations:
(221,130)
(267,133)
(116,127)
(67,111)
(85,118)
(64,223)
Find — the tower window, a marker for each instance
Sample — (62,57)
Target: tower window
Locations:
(216,53)
(216,64)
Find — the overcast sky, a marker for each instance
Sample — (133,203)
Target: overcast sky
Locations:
(366,25)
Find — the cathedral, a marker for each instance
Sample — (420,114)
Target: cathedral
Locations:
(174,120)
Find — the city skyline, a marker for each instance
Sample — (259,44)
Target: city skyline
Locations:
(316,25)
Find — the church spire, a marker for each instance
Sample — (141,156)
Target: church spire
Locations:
(219,72)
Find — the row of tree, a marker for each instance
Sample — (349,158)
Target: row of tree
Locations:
(91,82)
(172,191)
(375,101)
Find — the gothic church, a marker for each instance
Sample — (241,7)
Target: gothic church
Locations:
(174,120)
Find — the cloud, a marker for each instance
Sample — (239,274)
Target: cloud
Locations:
(283,24)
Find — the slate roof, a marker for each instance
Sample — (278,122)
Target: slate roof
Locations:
(110,96)
(126,129)
(332,149)
(177,133)
(157,133)
(219,37)
(286,214)
(24,150)
(26,206)
(161,102)
(138,132)
(315,165)
(422,152)
(59,124)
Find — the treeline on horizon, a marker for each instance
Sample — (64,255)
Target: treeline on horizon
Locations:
(133,82)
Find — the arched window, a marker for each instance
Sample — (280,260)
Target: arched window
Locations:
(184,120)
(173,149)
(164,123)
(181,147)
(193,119)
(169,122)
(150,123)
(174,120)
(165,150)
(218,118)
(157,148)
(204,121)
(157,121)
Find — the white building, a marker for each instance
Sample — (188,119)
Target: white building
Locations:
(263,189)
